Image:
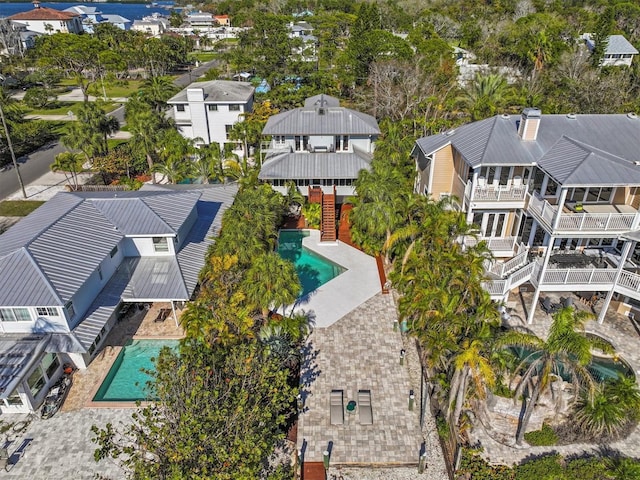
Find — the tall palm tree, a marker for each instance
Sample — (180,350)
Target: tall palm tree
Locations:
(485,95)
(146,128)
(566,349)
(70,164)
(174,169)
(156,90)
(271,281)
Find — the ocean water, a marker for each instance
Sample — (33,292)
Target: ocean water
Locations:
(131,11)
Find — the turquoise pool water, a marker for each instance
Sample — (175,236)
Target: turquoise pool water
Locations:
(602,368)
(126,382)
(313,269)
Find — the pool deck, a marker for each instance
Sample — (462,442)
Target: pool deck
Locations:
(336,298)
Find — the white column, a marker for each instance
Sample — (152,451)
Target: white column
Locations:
(536,295)
(563,197)
(607,300)
(472,194)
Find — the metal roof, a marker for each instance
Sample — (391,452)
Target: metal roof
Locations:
(619,45)
(218,91)
(152,279)
(49,255)
(325,119)
(315,165)
(495,141)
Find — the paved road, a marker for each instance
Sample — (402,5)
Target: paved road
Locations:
(35,165)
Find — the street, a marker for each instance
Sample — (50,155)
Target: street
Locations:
(36,164)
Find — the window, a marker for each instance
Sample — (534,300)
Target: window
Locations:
(50,364)
(113,251)
(212,108)
(47,312)
(345,142)
(36,381)
(160,244)
(14,398)
(15,315)
(234,108)
(70,310)
(297,139)
(279,139)
(180,107)
(598,195)
(227,129)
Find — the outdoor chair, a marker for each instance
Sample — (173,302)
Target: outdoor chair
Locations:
(18,454)
(162,315)
(365,412)
(566,302)
(548,307)
(337,407)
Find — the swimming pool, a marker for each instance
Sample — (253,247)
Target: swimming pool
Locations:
(313,269)
(602,368)
(126,382)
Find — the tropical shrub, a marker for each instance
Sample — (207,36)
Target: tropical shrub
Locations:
(312,213)
(544,437)
(36,97)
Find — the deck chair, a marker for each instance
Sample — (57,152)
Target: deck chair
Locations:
(18,453)
(548,307)
(337,407)
(567,302)
(365,412)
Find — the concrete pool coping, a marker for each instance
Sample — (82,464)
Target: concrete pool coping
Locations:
(339,296)
(114,353)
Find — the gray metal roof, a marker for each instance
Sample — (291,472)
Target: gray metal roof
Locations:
(315,165)
(495,141)
(48,255)
(313,120)
(619,45)
(153,279)
(218,91)
(321,99)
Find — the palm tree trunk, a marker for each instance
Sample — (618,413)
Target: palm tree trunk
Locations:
(453,390)
(461,396)
(153,173)
(528,411)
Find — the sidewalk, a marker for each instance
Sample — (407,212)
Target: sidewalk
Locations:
(45,187)
(75,95)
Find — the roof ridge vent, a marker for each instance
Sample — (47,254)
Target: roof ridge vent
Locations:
(632,115)
(571,116)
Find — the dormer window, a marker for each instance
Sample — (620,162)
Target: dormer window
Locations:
(180,107)
(160,244)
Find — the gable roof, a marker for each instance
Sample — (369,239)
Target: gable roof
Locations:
(619,44)
(578,149)
(321,115)
(222,91)
(44,13)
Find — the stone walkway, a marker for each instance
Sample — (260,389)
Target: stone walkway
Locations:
(62,448)
(361,352)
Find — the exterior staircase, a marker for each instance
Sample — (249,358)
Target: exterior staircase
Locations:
(328,225)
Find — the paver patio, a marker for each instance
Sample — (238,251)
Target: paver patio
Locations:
(361,351)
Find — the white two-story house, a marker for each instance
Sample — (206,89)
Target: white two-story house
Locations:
(66,269)
(555,197)
(321,148)
(207,111)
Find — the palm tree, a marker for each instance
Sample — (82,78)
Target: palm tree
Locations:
(485,95)
(174,170)
(145,127)
(566,349)
(271,281)
(70,164)
(155,91)
(615,405)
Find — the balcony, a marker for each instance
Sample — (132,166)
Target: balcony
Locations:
(496,193)
(594,219)
(500,247)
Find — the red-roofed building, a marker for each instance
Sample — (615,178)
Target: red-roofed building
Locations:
(223,20)
(48,20)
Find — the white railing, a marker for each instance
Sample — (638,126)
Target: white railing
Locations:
(495,244)
(578,276)
(517,278)
(629,281)
(500,193)
(502,268)
(580,221)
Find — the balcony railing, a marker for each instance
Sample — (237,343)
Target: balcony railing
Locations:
(498,288)
(504,268)
(499,193)
(495,244)
(580,222)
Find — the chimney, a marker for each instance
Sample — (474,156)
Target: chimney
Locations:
(36,3)
(529,124)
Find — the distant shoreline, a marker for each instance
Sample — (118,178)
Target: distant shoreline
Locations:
(141,2)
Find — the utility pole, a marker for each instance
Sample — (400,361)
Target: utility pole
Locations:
(13,155)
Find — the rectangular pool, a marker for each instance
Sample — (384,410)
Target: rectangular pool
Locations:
(126,382)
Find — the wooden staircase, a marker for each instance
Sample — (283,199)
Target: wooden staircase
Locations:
(328,225)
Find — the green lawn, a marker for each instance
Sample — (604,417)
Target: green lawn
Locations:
(204,56)
(122,89)
(65,107)
(18,208)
